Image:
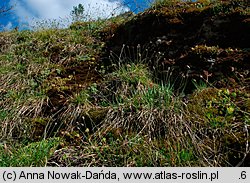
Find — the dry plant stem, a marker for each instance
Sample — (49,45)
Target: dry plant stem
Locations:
(247,146)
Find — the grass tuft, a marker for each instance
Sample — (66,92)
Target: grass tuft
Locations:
(34,154)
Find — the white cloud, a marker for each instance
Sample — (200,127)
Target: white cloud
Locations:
(7,27)
(28,10)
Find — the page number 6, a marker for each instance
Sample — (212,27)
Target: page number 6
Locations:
(243,175)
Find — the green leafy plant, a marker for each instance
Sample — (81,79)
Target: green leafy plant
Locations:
(82,97)
(33,154)
(78,13)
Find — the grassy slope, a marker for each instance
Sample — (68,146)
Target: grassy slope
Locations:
(117,111)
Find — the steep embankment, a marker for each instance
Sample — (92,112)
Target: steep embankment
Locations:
(196,46)
(196,40)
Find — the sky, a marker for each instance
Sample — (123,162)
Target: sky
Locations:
(32,13)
